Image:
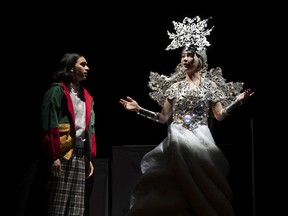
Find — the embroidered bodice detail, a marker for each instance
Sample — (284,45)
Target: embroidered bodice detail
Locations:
(191,104)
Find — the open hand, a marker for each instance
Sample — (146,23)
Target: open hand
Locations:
(245,95)
(129,104)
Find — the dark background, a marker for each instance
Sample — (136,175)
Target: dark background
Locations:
(122,47)
(122,44)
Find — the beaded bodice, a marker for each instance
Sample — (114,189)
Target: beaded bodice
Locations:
(191,104)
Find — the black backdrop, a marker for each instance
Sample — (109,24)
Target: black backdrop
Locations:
(122,46)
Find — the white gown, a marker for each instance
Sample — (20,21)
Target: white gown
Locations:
(186,173)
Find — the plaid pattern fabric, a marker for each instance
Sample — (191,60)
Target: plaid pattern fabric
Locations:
(67,190)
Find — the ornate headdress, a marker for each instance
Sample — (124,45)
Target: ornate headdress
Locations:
(191,33)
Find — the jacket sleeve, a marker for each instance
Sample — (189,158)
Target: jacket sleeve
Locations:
(50,108)
(92,132)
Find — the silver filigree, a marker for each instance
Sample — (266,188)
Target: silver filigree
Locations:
(192,105)
(191,32)
(160,83)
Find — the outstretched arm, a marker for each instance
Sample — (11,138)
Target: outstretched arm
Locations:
(132,105)
(220,113)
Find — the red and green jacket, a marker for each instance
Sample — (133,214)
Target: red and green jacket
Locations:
(58,123)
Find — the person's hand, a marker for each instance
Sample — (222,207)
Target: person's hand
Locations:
(90,170)
(130,104)
(245,95)
(56,167)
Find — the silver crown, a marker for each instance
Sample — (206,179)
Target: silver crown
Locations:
(190,33)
